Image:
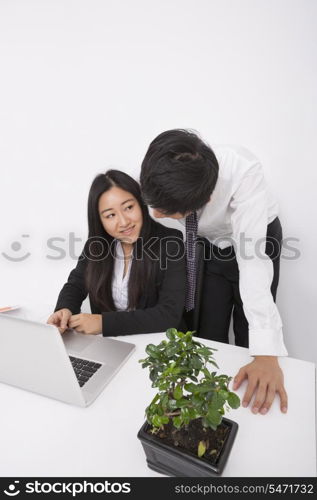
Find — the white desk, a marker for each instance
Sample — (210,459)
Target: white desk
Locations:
(43,437)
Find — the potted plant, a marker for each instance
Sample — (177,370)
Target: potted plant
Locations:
(185,433)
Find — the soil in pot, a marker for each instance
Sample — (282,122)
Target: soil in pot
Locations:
(187,438)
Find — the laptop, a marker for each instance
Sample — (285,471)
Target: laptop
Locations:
(72,367)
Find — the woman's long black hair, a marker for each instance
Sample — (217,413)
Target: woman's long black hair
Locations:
(99,249)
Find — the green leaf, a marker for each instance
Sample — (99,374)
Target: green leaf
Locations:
(182,402)
(224,378)
(204,351)
(177,422)
(178,392)
(185,415)
(205,423)
(152,351)
(189,335)
(164,419)
(160,410)
(212,350)
(180,335)
(156,398)
(170,333)
(207,373)
(145,365)
(162,345)
(196,362)
(201,388)
(198,344)
(163,386)
(153,374)
(223,393)
(201,448)
(233,400)
(171,350)
(156,421)
(169,368)
(197,401)
(172,404)
(217,401)
(191,388)
(164,401)
(213,417)
(193,413)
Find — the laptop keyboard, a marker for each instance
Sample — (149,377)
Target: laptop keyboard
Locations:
(84,369)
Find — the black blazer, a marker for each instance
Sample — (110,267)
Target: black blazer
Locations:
(158,309)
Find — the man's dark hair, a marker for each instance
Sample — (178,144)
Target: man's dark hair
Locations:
(179,172)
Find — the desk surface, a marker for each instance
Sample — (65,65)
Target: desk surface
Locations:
(44,437)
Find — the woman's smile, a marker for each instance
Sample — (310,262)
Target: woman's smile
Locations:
(127,231)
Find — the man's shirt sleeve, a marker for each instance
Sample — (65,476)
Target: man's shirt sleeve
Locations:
(249,219)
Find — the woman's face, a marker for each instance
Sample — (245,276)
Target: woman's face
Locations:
(120,214)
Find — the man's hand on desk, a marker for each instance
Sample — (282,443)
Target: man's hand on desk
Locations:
(265,379)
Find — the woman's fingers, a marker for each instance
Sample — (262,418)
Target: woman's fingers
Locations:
(74,321)
(66,314)
(60,319)
(50,320)
(64,319)
(54,318)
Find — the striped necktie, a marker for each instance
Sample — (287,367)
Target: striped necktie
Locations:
(191,226)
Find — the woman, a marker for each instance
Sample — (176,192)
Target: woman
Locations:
(131,267)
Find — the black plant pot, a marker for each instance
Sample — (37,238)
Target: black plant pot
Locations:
(173,461)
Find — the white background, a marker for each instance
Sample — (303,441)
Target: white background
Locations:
(88,84)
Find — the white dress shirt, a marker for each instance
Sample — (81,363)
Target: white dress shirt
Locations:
(238,213)
(119,280)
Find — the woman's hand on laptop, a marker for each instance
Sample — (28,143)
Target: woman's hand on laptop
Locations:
(91,324)
(60,319)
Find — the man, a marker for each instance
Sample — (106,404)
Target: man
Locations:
(221,196)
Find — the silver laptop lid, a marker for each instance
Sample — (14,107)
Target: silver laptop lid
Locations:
(33,357)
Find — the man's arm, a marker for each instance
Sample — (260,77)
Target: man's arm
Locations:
(249,222)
